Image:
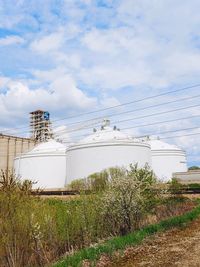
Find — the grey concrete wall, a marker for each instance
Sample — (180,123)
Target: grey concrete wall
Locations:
(192,176)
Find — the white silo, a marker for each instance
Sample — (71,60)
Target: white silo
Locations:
(107,147)
(44,164)
(167,159)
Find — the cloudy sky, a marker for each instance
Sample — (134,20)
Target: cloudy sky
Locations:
(75,56)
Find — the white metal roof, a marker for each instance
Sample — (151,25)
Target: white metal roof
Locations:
(107,133)
(49,146)
(160,145)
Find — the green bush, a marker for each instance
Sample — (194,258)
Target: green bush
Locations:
(194,168)
(33,231)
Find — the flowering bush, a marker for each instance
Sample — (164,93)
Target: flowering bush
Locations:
(131,194)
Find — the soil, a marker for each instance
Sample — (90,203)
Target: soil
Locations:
(178,247)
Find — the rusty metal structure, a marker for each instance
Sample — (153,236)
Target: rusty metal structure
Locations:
(40,125)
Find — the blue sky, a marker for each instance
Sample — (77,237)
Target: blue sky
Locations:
(73,56)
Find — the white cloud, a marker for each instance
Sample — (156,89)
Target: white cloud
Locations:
(48,43)
(61,94)
(63,88)
(54,41)
(3,81)
(11,40)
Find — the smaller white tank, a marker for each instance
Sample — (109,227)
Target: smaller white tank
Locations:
(167,159)
(44,164)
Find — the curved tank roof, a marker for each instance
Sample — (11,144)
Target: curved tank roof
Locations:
(48,147)
(160,145)
(106,133)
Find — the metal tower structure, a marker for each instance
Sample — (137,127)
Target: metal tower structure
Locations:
(40,125)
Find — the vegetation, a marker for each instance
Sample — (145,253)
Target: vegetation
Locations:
(194,168)
(120,243)
(36,231)
(175,187)
(129,197)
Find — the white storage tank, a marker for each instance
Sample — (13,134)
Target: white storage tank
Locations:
(167,159)
(105,148)
(44,164)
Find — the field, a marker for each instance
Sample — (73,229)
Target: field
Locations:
(177,247)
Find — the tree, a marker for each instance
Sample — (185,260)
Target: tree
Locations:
(194,168)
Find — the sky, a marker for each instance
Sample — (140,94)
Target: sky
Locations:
(71,57)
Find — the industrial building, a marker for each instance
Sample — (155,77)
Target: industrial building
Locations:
(107,147)
(54,166)
(167,159)
(45,165)
(191,176)
(10,147)
(40,125)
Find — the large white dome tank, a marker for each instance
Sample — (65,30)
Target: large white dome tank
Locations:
(105,148)
(44,164)
(167,159)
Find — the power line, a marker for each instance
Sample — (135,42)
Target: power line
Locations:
(131,111)
(116,106)
(158,113)
(137,126)
(178,136)
(131,102)
(161,122)
(134,110)
(145,116)
(171,131)
(149,134)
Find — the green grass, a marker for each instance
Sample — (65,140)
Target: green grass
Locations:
(120,243)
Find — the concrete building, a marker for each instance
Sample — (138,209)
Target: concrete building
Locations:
(191,176)
(10,147)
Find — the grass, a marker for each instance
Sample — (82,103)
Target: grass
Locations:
(120,243)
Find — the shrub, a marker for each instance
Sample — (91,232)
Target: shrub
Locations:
(98,182)
(175,187)
(129,197)
(194,168)
(34,231)
(78,185)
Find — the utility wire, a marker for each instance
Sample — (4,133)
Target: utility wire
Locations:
(161,122)
(161,138)
(145,116)
(178,136)
(131,102)
(127,128)
(151,124)
(116,106)
(171,131)
(134,110)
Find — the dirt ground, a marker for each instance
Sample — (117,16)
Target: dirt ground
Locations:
(179,247)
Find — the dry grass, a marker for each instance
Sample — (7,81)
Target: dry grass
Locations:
(60,197)
(177,247)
